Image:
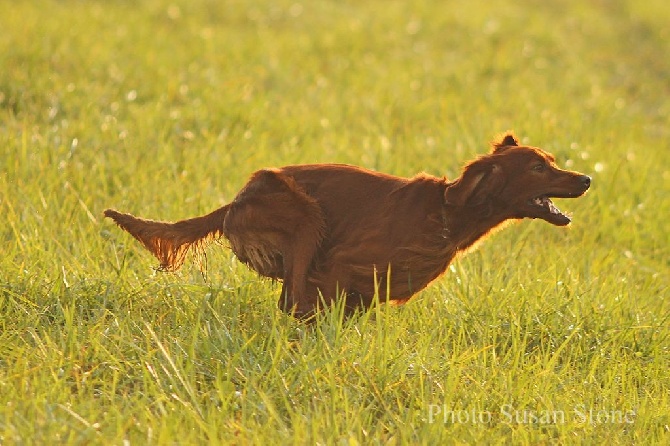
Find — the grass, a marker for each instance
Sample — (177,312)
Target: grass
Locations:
(163,109)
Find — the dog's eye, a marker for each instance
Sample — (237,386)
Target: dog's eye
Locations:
(539,167)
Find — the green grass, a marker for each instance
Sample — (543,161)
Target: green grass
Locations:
(163,109)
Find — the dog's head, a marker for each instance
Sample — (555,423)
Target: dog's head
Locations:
(518,181)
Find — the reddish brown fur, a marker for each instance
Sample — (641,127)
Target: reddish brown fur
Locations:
(336,230)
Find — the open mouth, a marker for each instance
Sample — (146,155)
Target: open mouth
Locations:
(554,213)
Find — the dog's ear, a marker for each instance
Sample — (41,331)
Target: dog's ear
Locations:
(479,182)
(507,140)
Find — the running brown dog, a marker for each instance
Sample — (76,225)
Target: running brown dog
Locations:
(332,231)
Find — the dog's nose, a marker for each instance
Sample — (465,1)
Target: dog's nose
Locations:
(586,180)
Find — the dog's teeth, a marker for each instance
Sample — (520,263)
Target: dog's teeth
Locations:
(546,203)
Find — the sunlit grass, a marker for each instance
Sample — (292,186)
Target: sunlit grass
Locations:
(163,109)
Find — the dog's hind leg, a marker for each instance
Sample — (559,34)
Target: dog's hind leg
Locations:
(275,227)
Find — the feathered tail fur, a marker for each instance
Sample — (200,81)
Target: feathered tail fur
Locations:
(170,242)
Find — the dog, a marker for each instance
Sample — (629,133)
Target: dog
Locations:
(336,231)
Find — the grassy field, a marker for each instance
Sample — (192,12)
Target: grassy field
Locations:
(543,335)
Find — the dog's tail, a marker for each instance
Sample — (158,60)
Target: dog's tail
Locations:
(170,242)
